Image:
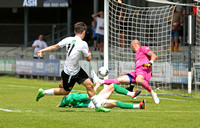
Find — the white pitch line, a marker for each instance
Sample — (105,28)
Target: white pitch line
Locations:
(138,111)
(147,97)
(157,111)
(176,99)
(91,110)
(8,110)
(24,86)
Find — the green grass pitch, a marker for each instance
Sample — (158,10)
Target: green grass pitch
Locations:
(18,109)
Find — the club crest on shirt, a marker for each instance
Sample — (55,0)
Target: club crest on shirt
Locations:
(73,41)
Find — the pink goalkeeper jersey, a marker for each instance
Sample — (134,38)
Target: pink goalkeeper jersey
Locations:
(141,56)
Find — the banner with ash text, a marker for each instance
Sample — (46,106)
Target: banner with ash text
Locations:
(30,3)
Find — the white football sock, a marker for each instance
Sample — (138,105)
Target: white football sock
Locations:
(151,92)
(96,101)
(101,81)
(49,92)
(130,93)
(136,106)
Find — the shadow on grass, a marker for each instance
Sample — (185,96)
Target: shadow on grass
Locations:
(75,110)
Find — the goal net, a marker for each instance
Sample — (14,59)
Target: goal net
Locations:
(151,26)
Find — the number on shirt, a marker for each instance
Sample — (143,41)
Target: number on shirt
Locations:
(70,47)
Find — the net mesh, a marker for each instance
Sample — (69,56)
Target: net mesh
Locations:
(150,25)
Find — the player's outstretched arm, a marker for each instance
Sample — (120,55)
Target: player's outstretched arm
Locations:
(88,58)
(152,55)
(48,49)
(153,58)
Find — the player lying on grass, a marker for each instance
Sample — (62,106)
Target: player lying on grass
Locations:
(143,70)
(78,100)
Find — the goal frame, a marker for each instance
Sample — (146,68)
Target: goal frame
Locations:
(106,37)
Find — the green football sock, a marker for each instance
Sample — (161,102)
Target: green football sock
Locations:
(124,105)
(120,90)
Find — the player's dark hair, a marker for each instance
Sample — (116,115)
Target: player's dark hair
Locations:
(79,27)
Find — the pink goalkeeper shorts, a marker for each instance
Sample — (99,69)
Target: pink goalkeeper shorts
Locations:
(145,72)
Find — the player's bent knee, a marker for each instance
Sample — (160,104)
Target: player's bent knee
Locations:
(111,86)
(123,79)
(89,86)
(110,104)
(139,80)
(60,91)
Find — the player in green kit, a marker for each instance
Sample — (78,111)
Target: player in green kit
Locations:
(78,100)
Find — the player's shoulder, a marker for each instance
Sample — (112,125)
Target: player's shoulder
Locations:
(145,48)
(76,39)
(84,42)
(65,39)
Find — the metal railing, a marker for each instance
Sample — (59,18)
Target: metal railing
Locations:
(55,36)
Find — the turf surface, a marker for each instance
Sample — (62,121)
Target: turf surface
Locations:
(18,109)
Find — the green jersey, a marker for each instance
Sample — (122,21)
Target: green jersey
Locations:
(75,100)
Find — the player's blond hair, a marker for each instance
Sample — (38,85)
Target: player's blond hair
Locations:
(135,42)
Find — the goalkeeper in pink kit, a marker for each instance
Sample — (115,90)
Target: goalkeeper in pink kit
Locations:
(143,70)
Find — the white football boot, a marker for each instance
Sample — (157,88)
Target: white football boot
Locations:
(155,98)
(94,77)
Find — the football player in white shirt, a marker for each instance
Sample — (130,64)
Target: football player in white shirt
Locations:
(72,73)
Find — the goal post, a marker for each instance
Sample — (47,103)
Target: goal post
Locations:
(150,25)
(106,34)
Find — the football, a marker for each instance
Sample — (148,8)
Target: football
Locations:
(103,72)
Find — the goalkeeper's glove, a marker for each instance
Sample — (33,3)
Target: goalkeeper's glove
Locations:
(148,64)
